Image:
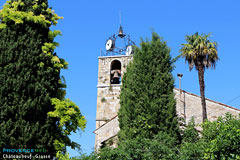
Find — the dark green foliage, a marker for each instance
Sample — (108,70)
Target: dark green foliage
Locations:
(26,88)
(92,156)
(147,117)
(192,151)
(113,154)
(162,146)
(147,99)
(191,147)
(190,134)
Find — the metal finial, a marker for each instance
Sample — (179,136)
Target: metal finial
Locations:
(120,16)
(120,32)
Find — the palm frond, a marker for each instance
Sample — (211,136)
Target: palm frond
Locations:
(199,50)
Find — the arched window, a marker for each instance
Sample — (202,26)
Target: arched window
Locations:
(115,72)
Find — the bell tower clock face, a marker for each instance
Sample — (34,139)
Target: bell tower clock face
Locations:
(129,50)
(118,44)
(109,45)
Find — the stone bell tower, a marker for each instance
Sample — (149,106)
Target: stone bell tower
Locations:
(111,66)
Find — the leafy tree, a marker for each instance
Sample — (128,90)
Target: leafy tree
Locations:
(191,147)
(219,140)
(190,134)
(162,146)
(222,138)
(33,110)
(147,98)
(192,151)
(113,154)
(200,53)
(147,117)
(92,156)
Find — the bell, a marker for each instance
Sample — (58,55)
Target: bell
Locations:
(120,33)
(116,74)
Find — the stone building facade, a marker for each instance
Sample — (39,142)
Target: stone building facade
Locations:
(108,92)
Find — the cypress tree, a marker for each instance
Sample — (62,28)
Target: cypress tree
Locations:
(147,99)
(31,88)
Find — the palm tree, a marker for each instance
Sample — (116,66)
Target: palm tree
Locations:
(200,53)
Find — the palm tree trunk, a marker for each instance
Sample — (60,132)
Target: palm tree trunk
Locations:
(202,91)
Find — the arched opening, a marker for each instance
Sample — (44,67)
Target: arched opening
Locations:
(115,72)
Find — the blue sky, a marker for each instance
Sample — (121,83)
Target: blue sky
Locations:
(88,24)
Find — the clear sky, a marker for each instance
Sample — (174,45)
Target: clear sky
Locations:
(88,23)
